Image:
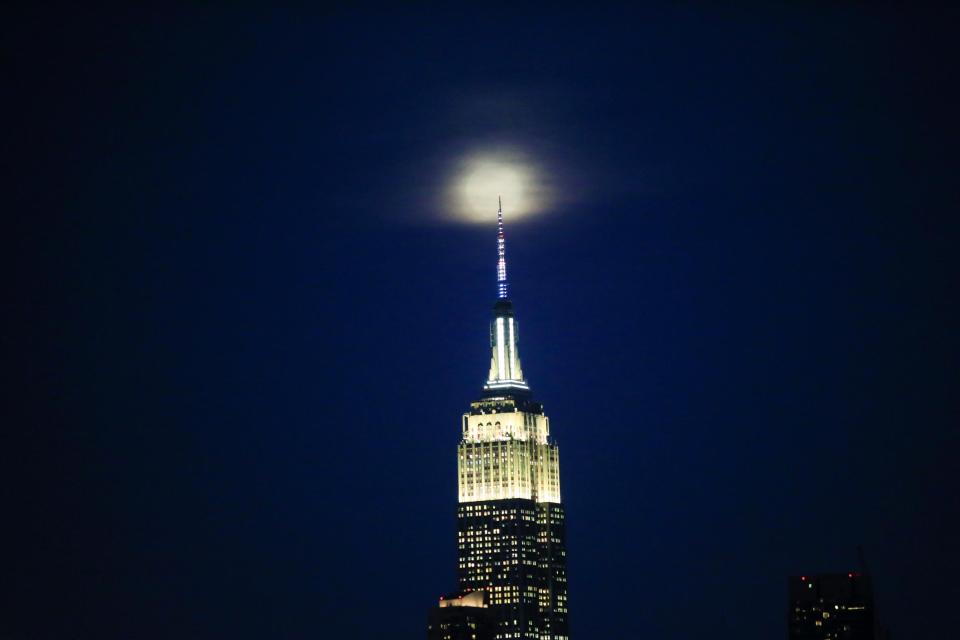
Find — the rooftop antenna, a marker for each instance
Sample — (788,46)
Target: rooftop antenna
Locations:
(862,558)
(501,253)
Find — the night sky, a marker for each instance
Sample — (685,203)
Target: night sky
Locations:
(240,332)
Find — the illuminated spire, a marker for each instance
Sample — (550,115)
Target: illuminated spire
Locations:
(501,254)
(505,372)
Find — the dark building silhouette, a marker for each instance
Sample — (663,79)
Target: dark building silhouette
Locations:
(831,607)
(510,521)
(461,616)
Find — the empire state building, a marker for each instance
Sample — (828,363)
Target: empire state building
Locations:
(510,522)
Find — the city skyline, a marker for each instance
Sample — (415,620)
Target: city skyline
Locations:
(251,255)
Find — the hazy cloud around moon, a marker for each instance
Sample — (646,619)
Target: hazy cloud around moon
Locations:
(514,143)
(479,178)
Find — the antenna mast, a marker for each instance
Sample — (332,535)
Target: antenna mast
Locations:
(501,254)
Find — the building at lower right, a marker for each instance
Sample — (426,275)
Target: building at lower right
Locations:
(831,607)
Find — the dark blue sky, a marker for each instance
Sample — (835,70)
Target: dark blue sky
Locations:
(238,344)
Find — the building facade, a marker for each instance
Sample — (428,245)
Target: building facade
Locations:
(831,607)
(462,616)
(510,521)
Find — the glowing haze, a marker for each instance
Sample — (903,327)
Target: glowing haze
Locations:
(471,196)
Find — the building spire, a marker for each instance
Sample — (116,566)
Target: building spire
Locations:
(501,254)
(505,372)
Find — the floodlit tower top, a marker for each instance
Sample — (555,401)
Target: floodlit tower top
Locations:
(505,372)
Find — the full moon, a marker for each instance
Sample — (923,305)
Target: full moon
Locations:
(482,178)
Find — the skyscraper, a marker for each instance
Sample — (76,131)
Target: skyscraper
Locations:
(461,616)
(831,607)
(510,522)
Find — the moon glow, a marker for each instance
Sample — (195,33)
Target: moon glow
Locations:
(481,178)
